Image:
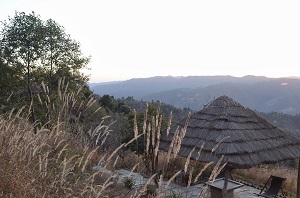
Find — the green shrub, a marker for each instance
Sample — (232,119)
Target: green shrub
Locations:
(129,182)
(151,190)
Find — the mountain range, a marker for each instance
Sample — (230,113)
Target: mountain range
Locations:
(256,92)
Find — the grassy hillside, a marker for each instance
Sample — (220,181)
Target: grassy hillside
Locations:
(56,162)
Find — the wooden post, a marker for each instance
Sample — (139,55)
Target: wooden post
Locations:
(298,180)
(224,190)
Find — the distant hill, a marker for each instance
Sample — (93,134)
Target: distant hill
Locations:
(258,93)
(284,121)
(141,87)
(92,85)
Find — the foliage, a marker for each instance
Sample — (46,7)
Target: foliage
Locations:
(108,102)
(43,47)
(176,195)
(150,190)
(285,121)
(129,182)
(35,52)
(122,110)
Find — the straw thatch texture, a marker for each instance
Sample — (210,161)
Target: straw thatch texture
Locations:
(244,138)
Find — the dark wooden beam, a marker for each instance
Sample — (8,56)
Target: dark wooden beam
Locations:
(224,190)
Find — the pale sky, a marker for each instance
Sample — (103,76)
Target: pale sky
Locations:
(137,38)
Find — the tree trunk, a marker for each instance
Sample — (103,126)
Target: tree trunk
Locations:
(50,85)
(30,94)
(224,190)
(50,72)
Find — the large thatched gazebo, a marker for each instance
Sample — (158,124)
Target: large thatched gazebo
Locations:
(243,138)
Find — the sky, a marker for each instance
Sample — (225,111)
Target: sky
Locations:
(138,38)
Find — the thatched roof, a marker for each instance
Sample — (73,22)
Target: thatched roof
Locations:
(245,139)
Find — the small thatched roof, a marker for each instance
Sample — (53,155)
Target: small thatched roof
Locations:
(244,138)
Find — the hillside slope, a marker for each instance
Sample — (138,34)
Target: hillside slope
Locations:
(258,93)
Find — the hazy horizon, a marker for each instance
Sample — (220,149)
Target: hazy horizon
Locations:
(291,77)
(131,39)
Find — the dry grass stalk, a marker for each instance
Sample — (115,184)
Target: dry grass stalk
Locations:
(199,152)
(190,177)
(178,141)
(115,151)
(100,132)
(217,169)
(171,147)
(88,158)
(61,151)
(134,167)
(203,192)
(144,189)
(217,145)
(157,117)
(135,125)
(133,139)
(187,121)
(202,170)
(106,184)
(180,136)
(157,138)
(169,123)
(85,150)
(116,160)
(188,160)
(172,178)
(153,132)
(145,119)
(101,161)
(175,141)
(160,187)
(148,138)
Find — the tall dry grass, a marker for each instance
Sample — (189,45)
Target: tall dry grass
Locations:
(259,176)
(57,161)
(163,162)
(46,164)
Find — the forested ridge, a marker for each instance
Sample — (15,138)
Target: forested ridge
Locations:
(256,92)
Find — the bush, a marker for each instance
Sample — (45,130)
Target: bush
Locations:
(151,190)
(129,182)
